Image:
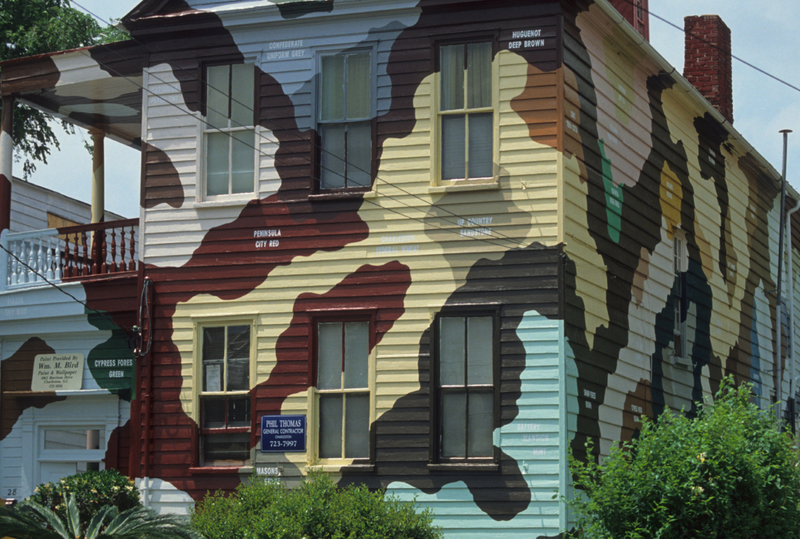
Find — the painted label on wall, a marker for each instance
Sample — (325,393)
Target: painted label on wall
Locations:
(53,372)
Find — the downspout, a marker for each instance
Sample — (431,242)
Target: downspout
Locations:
(790,303)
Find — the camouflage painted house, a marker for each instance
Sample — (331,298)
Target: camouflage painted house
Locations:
(423,245)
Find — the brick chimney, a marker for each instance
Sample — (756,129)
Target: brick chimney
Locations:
(707,61)
(635,12)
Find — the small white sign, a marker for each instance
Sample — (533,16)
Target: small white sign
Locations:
(54,372)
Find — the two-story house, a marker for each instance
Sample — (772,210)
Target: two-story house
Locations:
(424,245)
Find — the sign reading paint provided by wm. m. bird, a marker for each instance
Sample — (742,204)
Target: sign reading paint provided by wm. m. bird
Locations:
(283,433)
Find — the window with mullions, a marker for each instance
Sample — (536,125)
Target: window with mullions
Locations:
(345,121)
(465,387)
(224,402)
(228,129)
(466,113)
(343,389)
(679,299)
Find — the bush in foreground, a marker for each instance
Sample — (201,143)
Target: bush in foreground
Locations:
(317,509)
(92,490)
(729,473)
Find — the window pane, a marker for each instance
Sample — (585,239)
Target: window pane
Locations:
(356,439)
(454,424)
(332,102)
(74,438)
(481,423)
(330,426)
(356,354)
(453,151)
(239,411)
(212,375)
(359,102)
(217,163)
(226,448)
(329,356)
(479,75)
(452,75)
(238,375)
(480,145)
(451,350)
(217,78)
(213,343)
(479,350)
(213,411)
(242,161)
(332,159)
(238,342)
(359,154)
(242,82)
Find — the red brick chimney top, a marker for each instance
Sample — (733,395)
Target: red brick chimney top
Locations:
(707,62)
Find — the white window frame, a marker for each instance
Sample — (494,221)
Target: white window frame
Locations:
(679,347)
(204,129)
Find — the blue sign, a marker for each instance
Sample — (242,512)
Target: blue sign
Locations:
(283,433)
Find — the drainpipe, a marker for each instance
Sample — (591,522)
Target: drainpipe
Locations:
(790,301)
(6,160)
(779,299)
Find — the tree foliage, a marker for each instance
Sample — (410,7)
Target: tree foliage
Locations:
(729,473)
(317,509)
(31,27)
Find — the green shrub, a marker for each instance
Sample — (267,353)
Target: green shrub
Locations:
(266,509)
(729,473)
(92,491)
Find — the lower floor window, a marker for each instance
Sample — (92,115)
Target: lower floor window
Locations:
(225,438)
(343,397)
(465,387)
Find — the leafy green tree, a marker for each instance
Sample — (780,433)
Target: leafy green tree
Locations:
(31,27)
(317,509)
(29,520)
(729,473)
(92,490)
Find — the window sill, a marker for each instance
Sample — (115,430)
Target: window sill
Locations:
(339,195)
(220,470)
(366,468)
(463,467)
(229,202)
(465,185)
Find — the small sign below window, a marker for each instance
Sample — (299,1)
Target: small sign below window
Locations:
(283,433)
(52,372)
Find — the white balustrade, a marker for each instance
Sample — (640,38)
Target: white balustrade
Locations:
(30,258)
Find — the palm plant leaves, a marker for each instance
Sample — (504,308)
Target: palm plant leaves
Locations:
(29,520)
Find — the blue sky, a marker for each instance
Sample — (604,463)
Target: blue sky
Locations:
(765,37)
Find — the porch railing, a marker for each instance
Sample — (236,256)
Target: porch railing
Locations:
(68,253)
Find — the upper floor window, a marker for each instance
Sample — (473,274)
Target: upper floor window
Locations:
(466,111)
(342,395)
(345,121)
(225,399)
(679,298)
(229,133)
(466,387)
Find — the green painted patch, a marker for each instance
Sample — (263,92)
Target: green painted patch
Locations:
(614,197)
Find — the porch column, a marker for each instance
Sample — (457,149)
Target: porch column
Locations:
(6,159)
(98,177)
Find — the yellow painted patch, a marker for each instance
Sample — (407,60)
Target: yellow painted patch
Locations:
(671,198)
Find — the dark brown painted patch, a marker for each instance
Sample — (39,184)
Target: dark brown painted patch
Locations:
(16,374)
(162,183)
